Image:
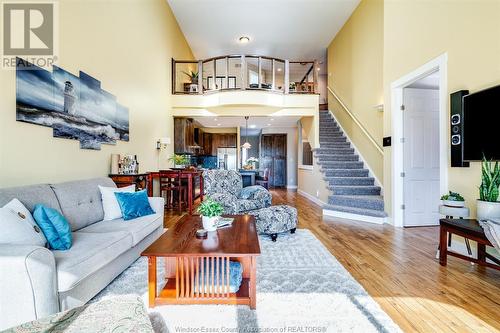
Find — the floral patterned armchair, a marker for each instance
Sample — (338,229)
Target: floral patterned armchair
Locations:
(226,187)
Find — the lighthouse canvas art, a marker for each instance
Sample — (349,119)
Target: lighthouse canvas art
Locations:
(75,107)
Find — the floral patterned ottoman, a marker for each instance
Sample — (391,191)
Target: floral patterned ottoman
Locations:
(275,219)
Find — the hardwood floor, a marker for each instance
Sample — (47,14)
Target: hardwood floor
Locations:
(398,269)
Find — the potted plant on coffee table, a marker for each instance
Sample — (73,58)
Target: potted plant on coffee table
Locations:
(453,199)
(488,205)
(210,212)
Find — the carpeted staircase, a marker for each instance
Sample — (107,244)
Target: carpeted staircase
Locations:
(353,190)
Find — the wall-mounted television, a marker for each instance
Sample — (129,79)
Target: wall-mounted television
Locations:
(481,134)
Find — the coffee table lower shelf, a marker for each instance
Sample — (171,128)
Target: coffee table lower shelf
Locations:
(169,296)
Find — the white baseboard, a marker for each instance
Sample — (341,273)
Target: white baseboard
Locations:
(291,187)
(312,198)
(355,217)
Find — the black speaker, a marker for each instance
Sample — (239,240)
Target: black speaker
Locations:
(457,129)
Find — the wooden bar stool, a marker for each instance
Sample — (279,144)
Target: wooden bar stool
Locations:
(172,186)
(264,180)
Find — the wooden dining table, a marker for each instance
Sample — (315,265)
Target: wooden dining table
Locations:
(190,175)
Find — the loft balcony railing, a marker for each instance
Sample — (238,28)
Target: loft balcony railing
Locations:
(244,72)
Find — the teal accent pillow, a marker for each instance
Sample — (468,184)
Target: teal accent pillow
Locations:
(134,204)
(247,192)
(54,226)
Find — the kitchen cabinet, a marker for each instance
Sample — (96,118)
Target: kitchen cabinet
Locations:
(212,141)
(183,135)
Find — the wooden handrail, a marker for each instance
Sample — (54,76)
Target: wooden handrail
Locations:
(356,121)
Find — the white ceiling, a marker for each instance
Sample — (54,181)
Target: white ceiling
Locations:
(289,29)
(255,123)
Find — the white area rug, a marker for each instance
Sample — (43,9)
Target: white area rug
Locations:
(301,287)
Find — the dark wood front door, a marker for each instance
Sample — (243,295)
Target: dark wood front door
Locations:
(273,157)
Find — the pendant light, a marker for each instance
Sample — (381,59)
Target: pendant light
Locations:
(247,144)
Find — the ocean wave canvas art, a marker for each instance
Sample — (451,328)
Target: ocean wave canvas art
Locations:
(75,107)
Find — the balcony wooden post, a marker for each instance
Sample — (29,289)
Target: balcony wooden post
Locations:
(259,82)
(315,77)
(214,84)
(243,73)
(200,77)
(174,77)
(227,72)
(287,77)
(273,68)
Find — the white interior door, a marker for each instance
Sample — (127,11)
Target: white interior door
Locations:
(421,157)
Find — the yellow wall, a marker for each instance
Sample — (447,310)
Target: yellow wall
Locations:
(415,32)
(127,45)
(355,64)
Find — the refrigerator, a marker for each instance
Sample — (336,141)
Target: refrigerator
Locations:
(227,158)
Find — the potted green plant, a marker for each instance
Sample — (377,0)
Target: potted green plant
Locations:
(488,205)
(193,77)
(179,161)
(210,212)
(453,199)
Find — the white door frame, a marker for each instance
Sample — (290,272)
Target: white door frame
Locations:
(437,64)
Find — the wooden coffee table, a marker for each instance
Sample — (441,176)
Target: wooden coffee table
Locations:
(184,257)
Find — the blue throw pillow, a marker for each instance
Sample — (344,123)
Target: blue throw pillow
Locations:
(134,204)
(248,191)
(54,226)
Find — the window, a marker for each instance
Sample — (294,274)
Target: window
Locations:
(305,150)
(253,77)
(307,154)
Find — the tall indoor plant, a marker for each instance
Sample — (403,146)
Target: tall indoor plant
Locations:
(210,211)
(488,205)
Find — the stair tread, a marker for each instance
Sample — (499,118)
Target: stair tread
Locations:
(359,197)
(358,211)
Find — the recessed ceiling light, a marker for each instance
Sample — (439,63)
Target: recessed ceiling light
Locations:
(268,124)
(244,39)
(252,126)
(279,69)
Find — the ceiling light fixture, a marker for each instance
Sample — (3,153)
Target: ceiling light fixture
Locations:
(244,39)
(318,68)
(247,144)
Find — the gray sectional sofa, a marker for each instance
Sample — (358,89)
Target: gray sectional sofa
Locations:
(36,282)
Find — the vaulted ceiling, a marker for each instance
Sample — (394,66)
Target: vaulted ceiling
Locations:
(287,29)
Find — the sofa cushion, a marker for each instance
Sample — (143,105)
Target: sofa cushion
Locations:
(81,201)
(18,226)
(89,253)
(30,196)
(55,227)
(138,228)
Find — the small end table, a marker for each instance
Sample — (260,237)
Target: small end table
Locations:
(469,229)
